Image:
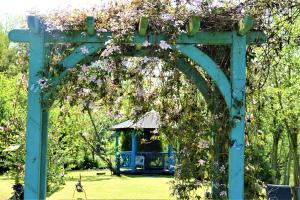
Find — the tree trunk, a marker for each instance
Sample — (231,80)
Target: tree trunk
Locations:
(292,132)
(294,146)
(287,169)
(93,155)
(274,158)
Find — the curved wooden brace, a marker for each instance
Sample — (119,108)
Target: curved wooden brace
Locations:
(193,75)
(210,67)
(74,58)
(80,53)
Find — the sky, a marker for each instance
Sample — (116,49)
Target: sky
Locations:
(10,9)
(21,7)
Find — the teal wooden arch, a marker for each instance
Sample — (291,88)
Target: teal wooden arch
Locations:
(232,88)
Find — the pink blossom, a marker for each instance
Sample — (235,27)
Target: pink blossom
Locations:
(126,63)
(145,59)
(140,92)
(222,169)
(43,83)
(146,43)
(167,17)
(84,68)
(164,45)
(84,50)
(93,78)
(99,82)
(85,92)
(196,2)
(202,162)
(223,194)
(109,50)
(85,134)
(203,144)
(68,98)
(179,23)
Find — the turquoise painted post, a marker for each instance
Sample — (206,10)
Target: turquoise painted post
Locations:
(237,114)
(44,154)
(133,151)
(117,153)
(37,118)
(170,150)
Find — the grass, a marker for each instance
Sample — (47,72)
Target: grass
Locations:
(104,186)
(112,187)
(5,187)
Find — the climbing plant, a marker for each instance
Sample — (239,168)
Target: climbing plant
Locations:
(152,81)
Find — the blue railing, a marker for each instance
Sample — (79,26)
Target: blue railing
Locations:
(125,158)
(152,160)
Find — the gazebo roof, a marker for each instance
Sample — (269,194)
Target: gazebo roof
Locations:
(150,120)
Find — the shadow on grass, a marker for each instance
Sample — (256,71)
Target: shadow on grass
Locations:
(101,175)
(110,177)
(148,176)
(87,178)
(5,178)
(56,189)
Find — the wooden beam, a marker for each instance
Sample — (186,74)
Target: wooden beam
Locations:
(37,119)
(256,37)
(71,60)
(210,67)
(195,77)
(19,35)
(34,24)
(237,117)
(205,38)
(143,25)
(245,25)
(193,25)
(80,53)
(90,23)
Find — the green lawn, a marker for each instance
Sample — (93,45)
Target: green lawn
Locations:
(105,186)
(5,187)
(112,187)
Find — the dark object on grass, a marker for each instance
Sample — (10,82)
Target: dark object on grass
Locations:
(79,187)
(279,192)
(18,192)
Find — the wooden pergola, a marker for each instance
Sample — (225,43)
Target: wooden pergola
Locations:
(232,88)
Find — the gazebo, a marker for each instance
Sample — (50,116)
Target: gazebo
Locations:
(144,154)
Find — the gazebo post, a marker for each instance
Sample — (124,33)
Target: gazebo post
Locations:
(117,153)
(170,157)
(133,150)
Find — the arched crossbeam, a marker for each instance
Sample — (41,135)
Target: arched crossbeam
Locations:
(211,68)
(81,53)
(195,77)
(77,56)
